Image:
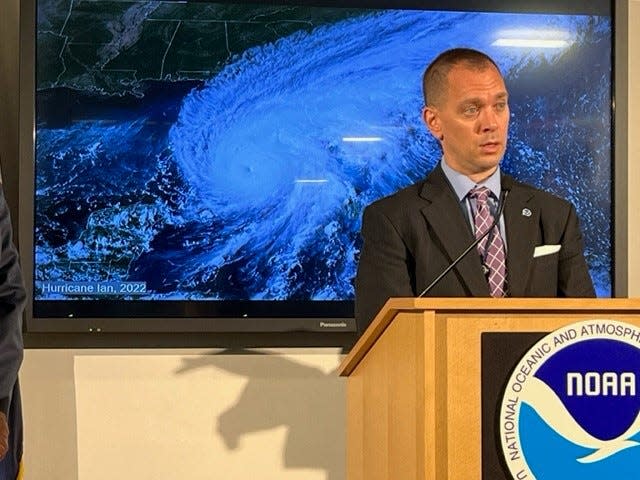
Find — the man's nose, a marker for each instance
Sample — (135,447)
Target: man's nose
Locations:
(488,120)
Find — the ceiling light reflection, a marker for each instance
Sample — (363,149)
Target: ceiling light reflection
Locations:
(361,139)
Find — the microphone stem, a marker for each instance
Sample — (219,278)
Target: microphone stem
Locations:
(503,198)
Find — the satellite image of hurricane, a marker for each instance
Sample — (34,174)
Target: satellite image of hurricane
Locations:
(218,151)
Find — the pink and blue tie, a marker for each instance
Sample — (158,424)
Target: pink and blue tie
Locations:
(491,248)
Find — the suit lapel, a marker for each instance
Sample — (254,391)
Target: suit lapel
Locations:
(452,230)
(522,217)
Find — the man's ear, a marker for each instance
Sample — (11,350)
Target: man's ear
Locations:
(432,121)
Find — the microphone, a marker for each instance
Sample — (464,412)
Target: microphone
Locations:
(503,198)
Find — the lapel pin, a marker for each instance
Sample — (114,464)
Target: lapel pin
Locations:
(526,212)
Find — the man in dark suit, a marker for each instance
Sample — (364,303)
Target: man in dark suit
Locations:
(12,299)
(410,237)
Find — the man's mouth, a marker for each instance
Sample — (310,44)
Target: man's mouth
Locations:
(490,146)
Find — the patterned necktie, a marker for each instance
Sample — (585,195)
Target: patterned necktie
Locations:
(490,248)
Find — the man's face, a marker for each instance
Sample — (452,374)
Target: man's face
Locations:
(471,121)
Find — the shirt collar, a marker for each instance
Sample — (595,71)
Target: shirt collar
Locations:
(462,184)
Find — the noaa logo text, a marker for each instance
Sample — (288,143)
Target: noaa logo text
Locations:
(606,383)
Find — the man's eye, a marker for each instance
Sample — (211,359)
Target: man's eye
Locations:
(471,110)
(500,106)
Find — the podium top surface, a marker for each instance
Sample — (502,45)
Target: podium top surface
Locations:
(482,306)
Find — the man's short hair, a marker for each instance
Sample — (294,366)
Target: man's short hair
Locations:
(434,80)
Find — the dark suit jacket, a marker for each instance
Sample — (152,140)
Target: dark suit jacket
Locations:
(12,299)
(411,236)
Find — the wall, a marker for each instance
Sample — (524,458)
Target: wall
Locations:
(167,414)
(156,414)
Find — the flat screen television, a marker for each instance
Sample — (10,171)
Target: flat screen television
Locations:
(203,166)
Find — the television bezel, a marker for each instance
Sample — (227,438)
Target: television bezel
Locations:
(280,331)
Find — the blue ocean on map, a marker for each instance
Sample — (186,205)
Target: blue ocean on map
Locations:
(552,457)
(251,184)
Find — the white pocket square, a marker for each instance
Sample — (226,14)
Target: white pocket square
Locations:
(543,250)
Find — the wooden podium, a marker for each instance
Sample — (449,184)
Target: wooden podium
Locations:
(414,380)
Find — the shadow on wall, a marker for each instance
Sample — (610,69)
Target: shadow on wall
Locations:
(281,392)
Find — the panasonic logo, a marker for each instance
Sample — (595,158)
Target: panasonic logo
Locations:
(333,324)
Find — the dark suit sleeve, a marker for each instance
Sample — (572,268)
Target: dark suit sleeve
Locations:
(12,298)
(574,279)
(384,268)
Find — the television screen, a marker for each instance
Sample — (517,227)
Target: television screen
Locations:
(212,159)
